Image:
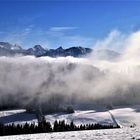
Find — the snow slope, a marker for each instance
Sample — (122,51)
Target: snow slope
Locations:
(84,117)
(16,116)
(125,116)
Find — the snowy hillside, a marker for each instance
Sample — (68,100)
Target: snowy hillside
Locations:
(125,116)
(84,117)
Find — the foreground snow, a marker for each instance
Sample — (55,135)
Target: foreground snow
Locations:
(108,134)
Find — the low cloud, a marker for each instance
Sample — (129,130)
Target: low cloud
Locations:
(74,81)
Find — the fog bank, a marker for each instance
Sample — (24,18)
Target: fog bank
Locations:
(70,81)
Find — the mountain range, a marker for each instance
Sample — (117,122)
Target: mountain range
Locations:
(8,49)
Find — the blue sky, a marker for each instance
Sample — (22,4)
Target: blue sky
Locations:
(65,23)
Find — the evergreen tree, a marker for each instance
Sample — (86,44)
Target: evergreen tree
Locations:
(55,127)
(72,126)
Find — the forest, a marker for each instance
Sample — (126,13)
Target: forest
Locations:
(47,127)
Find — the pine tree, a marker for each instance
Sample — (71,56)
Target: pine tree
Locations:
(55,127)
(72,126)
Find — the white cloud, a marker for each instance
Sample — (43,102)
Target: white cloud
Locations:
(114,41)
(61,28)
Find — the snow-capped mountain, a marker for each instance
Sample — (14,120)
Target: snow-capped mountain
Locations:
(7,49)
(73,51)
(37,50)
(16,47)
(10,50)
(8,46)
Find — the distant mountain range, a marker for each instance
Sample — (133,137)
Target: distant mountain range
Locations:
(7,49)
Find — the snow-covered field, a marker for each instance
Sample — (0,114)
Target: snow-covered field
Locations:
(125,116)
(108,134)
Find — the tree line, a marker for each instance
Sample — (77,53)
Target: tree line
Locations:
(46,127)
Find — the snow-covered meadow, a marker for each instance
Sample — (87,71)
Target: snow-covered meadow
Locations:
(125,116)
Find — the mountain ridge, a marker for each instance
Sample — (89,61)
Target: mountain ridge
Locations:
(8,49)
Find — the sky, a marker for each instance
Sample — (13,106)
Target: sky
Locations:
(66,23)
